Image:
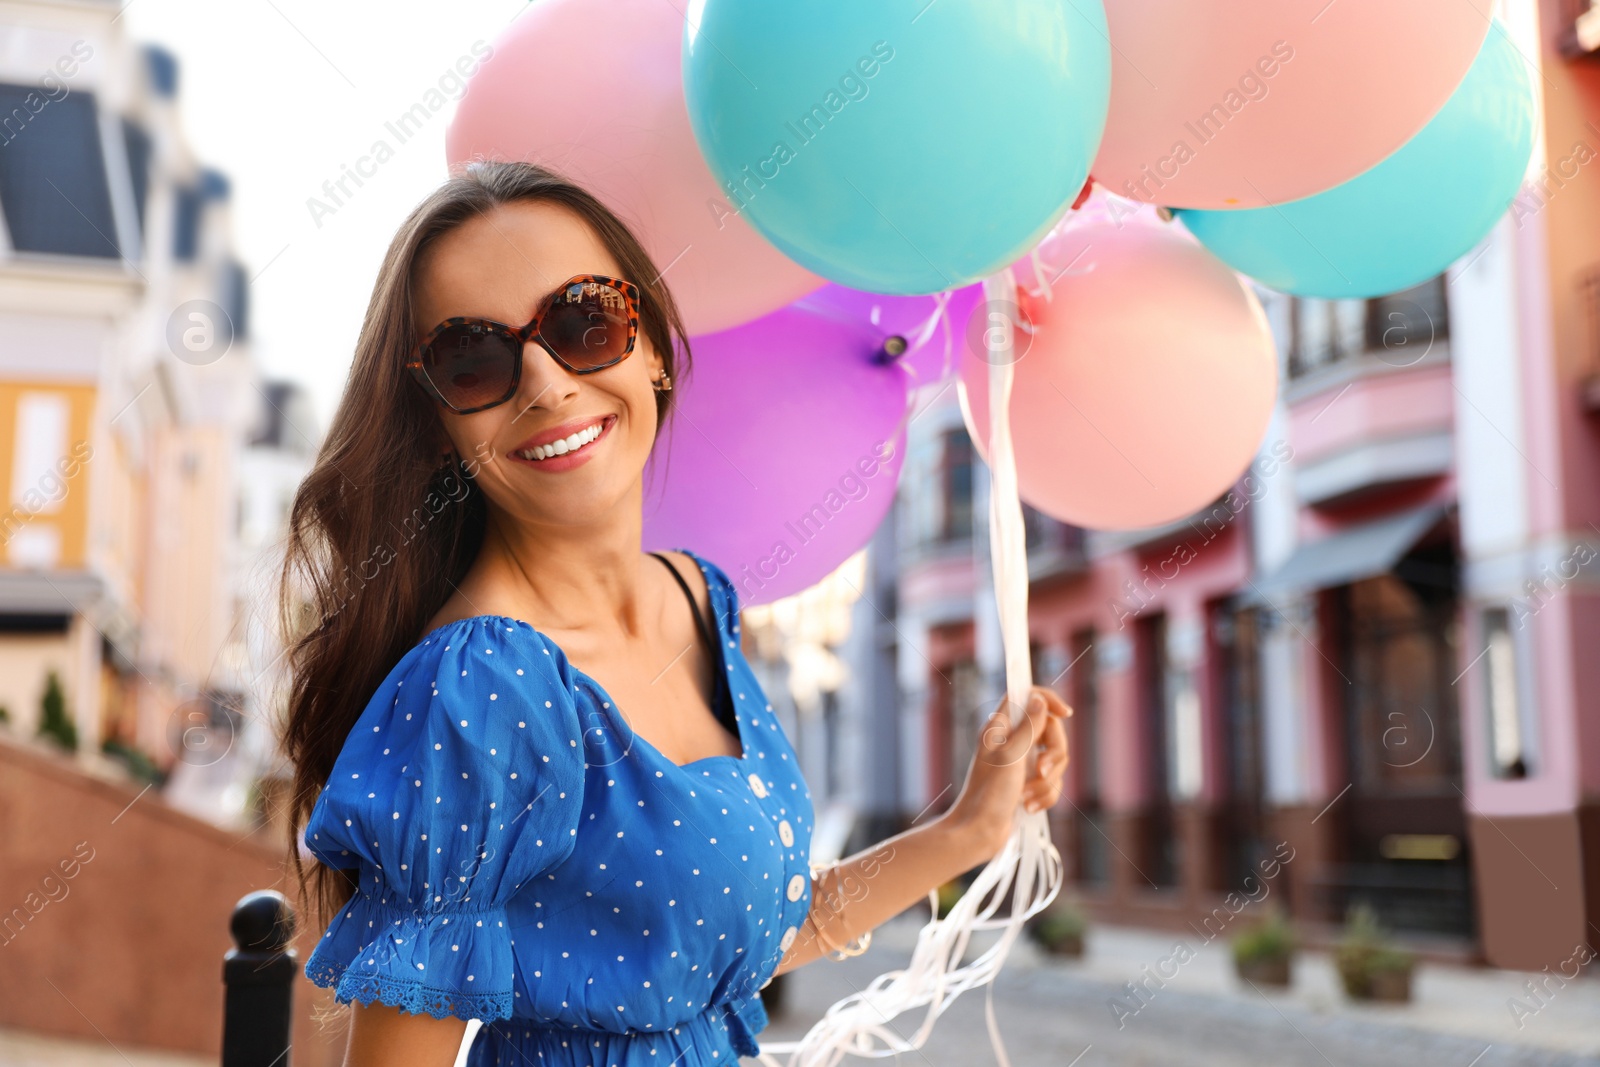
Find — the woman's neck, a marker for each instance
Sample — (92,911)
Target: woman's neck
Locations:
(574,580)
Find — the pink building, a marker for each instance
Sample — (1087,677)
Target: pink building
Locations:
(1371,672)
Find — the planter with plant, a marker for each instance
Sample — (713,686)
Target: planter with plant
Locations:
(54,723)
(138,762)
(1370,967)
(1059,929)
(1263,954)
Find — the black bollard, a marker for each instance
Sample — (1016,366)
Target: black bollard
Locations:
(258,976)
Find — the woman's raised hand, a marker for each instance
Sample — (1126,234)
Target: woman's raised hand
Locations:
(1021,764)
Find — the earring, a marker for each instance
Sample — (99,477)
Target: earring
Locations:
(663,384)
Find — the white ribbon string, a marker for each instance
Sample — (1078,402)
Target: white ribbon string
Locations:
(1027,871)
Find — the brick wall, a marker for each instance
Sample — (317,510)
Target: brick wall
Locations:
(114,913)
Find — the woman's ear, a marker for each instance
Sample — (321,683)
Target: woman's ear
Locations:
(443,447)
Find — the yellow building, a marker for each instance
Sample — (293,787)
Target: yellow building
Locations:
(128,401)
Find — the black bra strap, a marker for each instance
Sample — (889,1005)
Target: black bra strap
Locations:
(724,709)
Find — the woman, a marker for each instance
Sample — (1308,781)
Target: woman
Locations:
(540,782)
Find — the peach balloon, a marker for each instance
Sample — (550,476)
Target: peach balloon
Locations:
(1242,103)
(595,92)
(1147,384)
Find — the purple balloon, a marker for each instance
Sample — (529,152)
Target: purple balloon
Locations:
(783,454)
(909,317)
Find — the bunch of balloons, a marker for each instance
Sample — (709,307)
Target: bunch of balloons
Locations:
(825,186)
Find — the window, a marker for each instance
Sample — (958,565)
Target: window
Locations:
(1509,729)
(1399,328)
(1408,322)
(956,709)
(969,708)
(1400,700)
(831,725)
(1036,527)
(1323,332)
(139,147)
(1091,838)
(955,482)
(1158,847)
(1236,646)
(186,224)
(1182,698)
(42,421)
(162,68)
(235,286)
(53,175)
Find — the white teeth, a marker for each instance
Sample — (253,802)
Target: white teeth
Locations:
(565,444)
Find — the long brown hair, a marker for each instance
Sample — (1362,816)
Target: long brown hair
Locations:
(380,531)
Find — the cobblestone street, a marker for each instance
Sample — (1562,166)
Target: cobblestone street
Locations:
(1056,1014)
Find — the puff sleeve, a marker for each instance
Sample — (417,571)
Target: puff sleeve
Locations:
(462,779)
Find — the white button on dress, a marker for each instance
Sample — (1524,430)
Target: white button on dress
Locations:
(757,786)
(786,834)
(788,938)
(797,886)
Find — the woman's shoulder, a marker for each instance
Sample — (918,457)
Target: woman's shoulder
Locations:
(463,778)
(499,667)
(474,693)
(480,636)
(724,594)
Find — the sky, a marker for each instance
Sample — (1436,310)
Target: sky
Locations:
(282,96)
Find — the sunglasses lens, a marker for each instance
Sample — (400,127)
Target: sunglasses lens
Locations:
(589,325)
(471,365)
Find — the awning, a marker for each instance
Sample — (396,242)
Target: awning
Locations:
(1350,555)
(32,591)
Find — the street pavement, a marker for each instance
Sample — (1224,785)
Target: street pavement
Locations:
(1056,1013)
(21,1049)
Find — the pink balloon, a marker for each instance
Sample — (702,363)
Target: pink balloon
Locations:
(594,91)
(784,453)
(1241,103)
(1147,384)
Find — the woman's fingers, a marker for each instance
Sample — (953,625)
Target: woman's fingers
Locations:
(1056,739)
(1058,707)
(1044,787)
(1011,741)
(1040,725)
(998,735)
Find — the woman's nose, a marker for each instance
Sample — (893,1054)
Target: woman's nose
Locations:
(544,382)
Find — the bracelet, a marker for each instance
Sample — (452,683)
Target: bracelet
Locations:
(857,945)
(860,945)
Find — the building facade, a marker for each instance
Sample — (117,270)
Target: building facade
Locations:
(1374,656)
(131,442)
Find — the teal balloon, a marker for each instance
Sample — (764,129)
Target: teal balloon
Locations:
(1408,218)
(898,146)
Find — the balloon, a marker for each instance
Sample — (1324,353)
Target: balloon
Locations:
(878,143)
(1412,215)
(932,338)
(594,91)
(1240,103)
(783,454)
(1147,385)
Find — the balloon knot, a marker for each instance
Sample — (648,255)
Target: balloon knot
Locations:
(1083,194)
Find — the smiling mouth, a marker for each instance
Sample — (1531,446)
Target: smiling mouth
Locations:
(574,442)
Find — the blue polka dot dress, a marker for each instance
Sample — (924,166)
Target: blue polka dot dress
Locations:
(524,858)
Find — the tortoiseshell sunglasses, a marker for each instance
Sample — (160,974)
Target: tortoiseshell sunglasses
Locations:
(588,324)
